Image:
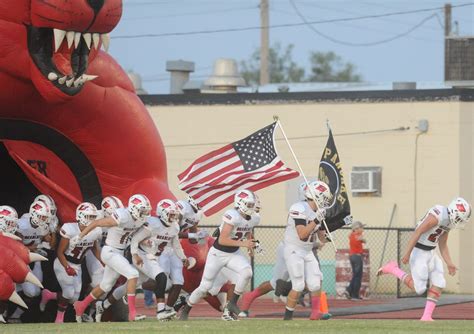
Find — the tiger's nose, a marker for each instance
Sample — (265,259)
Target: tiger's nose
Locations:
(96,5)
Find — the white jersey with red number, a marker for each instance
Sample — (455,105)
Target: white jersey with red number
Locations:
(240,227)
(29,234)
(119,236)
(189,218)
(430,238)
(161,236)
(69,231)
(300,213)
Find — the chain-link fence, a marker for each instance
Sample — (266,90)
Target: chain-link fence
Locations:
(383,245)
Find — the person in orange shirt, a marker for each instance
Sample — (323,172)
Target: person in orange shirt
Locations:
(356,241)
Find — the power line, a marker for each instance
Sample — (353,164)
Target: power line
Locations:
(399,129)
(334,40)
(286,25)
(354,26)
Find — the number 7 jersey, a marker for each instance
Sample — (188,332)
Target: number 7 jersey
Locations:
(430,238)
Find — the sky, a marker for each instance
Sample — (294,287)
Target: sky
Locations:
(414,56)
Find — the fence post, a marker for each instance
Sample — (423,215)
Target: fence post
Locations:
(399,293)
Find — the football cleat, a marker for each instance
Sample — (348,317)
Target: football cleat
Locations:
(179,303)
(244,314)
(228,316)
(87,318)
(2,319)
(166,314)
(233,309)
(79,319)
(140,317)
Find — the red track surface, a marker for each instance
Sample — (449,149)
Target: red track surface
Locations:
(266,308)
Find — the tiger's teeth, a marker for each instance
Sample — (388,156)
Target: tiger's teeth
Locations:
(96,39)
(58,38)
(88,39)
(77,39)
(52,76)
(62,80)
(105,41)
(87,77)
(70,82)
(70,38)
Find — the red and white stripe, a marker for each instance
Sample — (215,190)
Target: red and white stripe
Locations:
(213,178)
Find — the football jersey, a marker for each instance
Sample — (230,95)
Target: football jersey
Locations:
(76,254)
(240,227)
(119,236)
(161,236)
(430,238)
(300,211)
(29,234)
(189,218)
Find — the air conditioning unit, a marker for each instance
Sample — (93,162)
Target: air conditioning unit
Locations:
(363,181)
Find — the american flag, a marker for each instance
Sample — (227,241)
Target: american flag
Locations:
(251,163)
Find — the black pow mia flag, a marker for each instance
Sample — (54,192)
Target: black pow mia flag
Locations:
(338,213)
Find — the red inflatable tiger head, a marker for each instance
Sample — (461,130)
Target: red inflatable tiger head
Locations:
(55,41)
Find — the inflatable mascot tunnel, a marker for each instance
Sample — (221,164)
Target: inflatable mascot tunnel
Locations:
(71,125)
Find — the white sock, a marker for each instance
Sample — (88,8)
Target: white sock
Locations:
(160,306)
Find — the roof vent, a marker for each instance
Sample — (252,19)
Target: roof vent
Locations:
(225,77)
(137,82)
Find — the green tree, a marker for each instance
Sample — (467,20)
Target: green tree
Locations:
(329,67)
(325,67)
(281,66)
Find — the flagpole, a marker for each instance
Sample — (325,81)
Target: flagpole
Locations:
(277,119)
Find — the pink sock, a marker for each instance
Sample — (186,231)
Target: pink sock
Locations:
(49,295)
(316,303)
(400,274)
(249,297)
(82,305)
(429,308)
(59,317)
(132,312)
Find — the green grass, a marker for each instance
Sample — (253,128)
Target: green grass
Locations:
(251,326)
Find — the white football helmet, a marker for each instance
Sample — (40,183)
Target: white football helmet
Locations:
(49,202)
(85,213)
(244,201)
(459,212)
(39,214)
(321,192)
(110,204)
(196,207)
(167,211)
(8,219)
(139,207)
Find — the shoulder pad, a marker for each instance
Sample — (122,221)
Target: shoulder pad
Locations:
(67,230)
(230,217)
(120,216)
(297,211)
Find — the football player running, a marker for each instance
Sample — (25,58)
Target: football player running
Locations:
(425,265)
(146,247)
(304,220)
(235,231)
(190,215)
(67,265)
(33,229)
(122,225)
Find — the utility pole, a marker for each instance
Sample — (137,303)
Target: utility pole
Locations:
(264,42)
(447,33)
